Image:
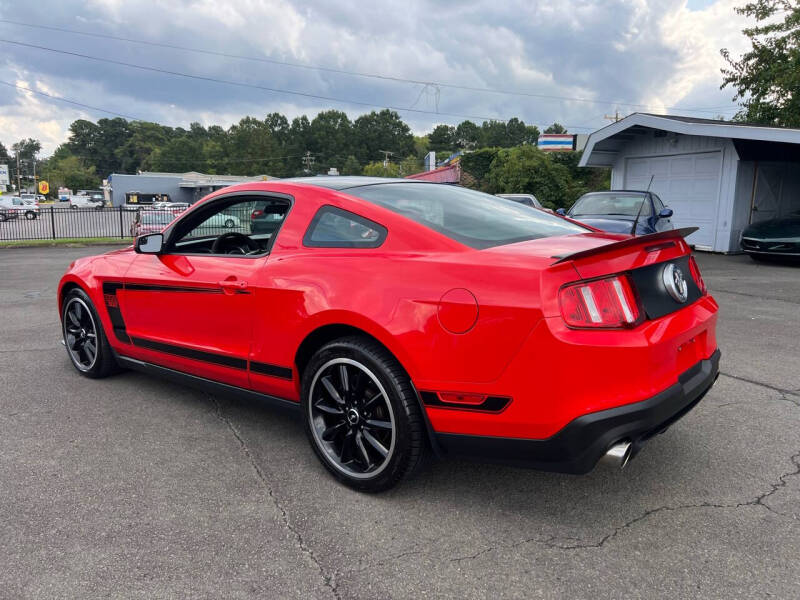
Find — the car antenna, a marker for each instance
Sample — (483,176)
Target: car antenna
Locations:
(644,198)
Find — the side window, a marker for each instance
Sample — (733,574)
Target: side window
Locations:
(658,204)
(333,227)
(241,225)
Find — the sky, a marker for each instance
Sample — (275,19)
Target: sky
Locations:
(571,61)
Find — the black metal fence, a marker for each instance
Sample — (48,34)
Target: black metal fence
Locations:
(55,222)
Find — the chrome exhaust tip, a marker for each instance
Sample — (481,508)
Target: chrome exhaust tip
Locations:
(618,455)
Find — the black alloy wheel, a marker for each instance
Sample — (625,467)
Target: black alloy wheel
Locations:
(362,415)
(84,338)
(230,224)
(30,215)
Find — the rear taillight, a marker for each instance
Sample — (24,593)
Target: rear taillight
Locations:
(698,279)
(256,213)
(605,303)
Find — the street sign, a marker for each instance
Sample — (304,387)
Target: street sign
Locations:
(44,187)
(4,175)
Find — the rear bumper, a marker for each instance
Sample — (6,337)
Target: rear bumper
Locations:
(581,443)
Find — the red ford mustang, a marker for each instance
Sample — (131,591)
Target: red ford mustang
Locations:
(404,317)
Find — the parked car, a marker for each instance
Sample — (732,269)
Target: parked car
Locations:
(77,201)
(26,206)
(7,215)
(223,219)
(775,238)
(400,316)
(526,199)
(617,211)
(150,221)
(175,207)
(267,216)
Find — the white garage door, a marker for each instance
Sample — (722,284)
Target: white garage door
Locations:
(688,184)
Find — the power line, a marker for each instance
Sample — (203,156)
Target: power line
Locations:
(255,86)
(60,99)
(393,78)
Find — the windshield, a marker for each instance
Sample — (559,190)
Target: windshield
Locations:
(624,205)
(154,218)
(473,218)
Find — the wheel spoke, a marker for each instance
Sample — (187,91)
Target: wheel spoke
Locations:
(332,431)
(331,410)
(362,450)
(344,379)
(326,382)
(377,424)
(348,442)
(90,349)
(78,311)
(382,450)
(372,400)
(71,339)
(74,318)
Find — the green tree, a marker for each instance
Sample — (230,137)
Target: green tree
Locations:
(478,164)
(70,172)
(378,131)
(556,128)
(766,77)
(331,138)
(144,139)
(467,135)
(526,169)
(410,165)
(376,169)
(351,166)
(442,139)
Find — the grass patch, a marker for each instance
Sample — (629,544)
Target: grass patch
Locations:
(68,242)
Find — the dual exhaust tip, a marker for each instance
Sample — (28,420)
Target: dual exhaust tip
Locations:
(618,455)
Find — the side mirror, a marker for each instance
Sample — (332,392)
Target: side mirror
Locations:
(561,211)
(665,213)
(149,244)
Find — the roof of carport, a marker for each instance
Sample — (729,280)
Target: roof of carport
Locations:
(603,144)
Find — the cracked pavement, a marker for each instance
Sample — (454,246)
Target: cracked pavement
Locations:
(133,487)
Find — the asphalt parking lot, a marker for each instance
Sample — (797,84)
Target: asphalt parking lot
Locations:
(134,487)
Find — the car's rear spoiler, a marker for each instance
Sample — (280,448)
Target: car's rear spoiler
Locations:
(631,241)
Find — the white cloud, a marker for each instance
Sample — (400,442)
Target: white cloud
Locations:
(653,52)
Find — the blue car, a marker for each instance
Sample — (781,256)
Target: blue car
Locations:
(617,211)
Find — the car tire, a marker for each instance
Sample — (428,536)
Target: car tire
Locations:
(80,327)
(73,206)
(372,435)
(30,215)
(230,224)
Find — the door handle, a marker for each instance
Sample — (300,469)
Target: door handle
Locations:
(233,286)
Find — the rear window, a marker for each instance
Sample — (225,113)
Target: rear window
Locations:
(621,205)
(153,218)
(472,218)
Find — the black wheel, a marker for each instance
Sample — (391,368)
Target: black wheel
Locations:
(73,206)
(229,223)
(86,342)
(362,415)
(30,215)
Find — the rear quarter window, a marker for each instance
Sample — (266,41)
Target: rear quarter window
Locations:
(333,227)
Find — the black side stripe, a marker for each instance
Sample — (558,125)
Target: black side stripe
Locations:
(146,287)
(112,305)
(210,357)
(271,370)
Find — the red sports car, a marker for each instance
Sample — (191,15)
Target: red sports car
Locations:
(404,317)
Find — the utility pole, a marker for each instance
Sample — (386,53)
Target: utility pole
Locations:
(386,155)
(615,117)
(19,180)
(308,160)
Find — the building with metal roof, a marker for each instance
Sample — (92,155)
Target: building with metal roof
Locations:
(719,176)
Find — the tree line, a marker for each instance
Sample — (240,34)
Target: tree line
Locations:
(271,146)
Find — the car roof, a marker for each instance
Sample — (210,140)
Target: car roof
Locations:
(343,182)
(619,192)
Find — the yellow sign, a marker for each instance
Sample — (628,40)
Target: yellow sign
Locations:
(44,187)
